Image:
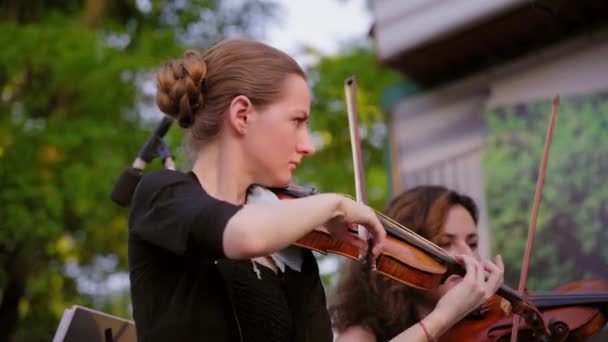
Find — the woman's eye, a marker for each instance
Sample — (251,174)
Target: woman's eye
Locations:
(444,245)
(300,121)
(473,245)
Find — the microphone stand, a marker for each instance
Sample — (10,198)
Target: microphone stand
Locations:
(154,147)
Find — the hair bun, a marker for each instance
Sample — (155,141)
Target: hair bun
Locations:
(180,88)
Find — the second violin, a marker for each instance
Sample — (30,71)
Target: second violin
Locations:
(574,312)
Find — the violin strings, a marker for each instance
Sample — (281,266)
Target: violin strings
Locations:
(394,224)
(566,295)
(403,229)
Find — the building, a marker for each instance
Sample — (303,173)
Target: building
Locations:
(463,57)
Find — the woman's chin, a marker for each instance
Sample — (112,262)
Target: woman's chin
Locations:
(286,180)
(279,182)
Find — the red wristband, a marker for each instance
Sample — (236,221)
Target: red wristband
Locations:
(426,332)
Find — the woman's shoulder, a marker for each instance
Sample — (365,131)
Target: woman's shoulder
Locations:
(159,179)
(163,185)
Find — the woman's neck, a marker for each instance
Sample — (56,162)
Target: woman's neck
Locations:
(222,173)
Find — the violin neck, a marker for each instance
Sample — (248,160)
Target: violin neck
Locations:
(510,294)
(424,245)
(517,300)
(567,299)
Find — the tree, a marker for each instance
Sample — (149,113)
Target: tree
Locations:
(571,235)
(71,74)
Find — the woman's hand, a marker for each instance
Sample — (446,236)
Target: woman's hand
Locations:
(472,291)
(352,213)
(482,280)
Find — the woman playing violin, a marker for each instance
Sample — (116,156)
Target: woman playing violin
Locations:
(202,261)
(209,263)
(369,307)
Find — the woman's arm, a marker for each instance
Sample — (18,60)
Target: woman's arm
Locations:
(415,333)
(436,324)
(169,210)
(262,228)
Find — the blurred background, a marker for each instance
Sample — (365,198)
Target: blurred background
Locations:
(450,92)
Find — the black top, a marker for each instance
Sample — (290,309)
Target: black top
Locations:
(261,303)
(182,286)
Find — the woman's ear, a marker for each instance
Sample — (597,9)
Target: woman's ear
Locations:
(239,112)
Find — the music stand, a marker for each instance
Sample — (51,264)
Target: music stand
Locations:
(83,324)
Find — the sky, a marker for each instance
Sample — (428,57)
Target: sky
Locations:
(321,24)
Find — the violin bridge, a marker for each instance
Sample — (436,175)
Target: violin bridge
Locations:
(505,306)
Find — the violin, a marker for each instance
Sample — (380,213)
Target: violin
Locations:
(408,258)
(574,312)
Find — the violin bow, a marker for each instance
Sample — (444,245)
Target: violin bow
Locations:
(534,215)
(350,91)
(524,308)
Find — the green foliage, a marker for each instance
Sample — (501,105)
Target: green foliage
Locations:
(331,168)
(70,85)
(571,239)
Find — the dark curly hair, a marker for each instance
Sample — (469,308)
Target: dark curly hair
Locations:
(375,301)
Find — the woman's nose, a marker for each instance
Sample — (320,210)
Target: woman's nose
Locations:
(463,248)
(305,146)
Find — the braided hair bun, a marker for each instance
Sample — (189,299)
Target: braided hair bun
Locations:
(180,87)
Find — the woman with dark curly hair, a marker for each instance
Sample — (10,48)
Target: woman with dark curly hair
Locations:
(371,307)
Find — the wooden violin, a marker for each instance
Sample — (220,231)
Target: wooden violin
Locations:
(574,312)
(408,258)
